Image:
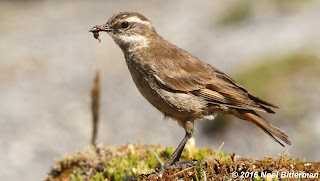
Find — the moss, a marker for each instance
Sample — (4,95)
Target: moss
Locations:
(167,152)
(117,163)
(132,162)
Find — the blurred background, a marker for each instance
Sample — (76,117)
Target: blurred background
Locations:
(48,60)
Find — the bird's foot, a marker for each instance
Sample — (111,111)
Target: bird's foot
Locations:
(183,165)
(176,165)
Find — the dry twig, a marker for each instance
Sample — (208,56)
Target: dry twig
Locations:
(95,105)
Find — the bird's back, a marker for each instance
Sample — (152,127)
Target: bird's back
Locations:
(178,71)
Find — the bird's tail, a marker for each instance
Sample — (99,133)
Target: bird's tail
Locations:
(266,127)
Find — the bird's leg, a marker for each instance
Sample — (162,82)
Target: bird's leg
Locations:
(188,126)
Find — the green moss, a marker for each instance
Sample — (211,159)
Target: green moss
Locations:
(200,155)
(76,176)
(98,177)
(131,162)
(167,152)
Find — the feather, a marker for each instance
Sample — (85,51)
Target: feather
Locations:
(180,71)
(266,127)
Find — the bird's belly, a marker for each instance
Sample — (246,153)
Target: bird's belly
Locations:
(177,105)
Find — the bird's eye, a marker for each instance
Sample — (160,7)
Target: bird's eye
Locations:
(125,24)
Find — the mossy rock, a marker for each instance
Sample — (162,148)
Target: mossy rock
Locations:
(133,162)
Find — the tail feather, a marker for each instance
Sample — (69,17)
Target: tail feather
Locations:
(268,133)
(266,127)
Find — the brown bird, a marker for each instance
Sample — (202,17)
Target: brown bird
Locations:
(180,85)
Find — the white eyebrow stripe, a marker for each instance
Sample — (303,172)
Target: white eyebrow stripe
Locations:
(138,20)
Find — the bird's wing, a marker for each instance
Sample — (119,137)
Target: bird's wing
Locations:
(184,76)
(193,76)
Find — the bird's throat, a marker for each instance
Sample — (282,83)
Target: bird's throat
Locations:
(129,42)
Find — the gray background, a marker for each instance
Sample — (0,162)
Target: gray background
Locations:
(48,60)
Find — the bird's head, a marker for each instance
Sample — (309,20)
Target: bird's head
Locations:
(127,29)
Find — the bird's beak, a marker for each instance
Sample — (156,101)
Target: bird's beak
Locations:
(103,27)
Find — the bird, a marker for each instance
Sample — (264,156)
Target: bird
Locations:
(180,85)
